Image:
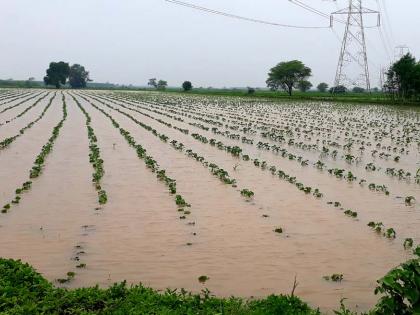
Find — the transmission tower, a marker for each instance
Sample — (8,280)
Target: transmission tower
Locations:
(353,67)
(400,51)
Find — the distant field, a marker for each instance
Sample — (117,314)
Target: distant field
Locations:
(190,190)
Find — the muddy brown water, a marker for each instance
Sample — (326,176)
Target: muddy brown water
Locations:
(138,235)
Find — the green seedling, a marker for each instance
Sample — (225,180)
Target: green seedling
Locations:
(408,243)
(278,230)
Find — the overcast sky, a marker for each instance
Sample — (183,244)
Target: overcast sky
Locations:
(130,41)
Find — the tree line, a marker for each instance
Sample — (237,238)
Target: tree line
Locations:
(402,79)
(162,84)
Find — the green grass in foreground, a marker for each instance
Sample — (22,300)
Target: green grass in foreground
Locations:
(24,291)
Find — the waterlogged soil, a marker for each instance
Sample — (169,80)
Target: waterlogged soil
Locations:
(138,234)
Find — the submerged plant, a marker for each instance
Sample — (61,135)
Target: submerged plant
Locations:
(409,200)
(377,226)
(102,197)
(350,213)
(390,233)
(247,193)
(408,243)
(334,277)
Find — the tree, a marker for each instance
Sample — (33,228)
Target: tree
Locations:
(78,76)
(357,89)
(339,89)
(287,74)
(153,82)
(322,87)
(161,85)
(251,90)
(187,86)
(403,77)
(57,74)
(304,85)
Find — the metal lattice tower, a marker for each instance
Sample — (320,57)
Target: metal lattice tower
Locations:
(353,67)
(401,50)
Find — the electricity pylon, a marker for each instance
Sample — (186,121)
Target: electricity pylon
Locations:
(353,48)
(401,50)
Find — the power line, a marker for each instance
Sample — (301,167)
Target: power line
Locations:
(384,43)
(310,9)
(243,18)
(387,39)
(388,20)
(322,14)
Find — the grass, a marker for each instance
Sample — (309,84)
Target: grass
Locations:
(24,291)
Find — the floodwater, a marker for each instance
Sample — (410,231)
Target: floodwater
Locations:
(138,235)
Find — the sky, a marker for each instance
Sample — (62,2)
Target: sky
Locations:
(130,41)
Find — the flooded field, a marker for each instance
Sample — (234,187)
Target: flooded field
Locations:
(246,194)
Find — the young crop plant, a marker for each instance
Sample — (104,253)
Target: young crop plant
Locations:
(20,103)
(390,233)
(180,201)
(94,156)
(296,130)
(149,161)
(236,151)
(6,142)
(247,193)
(278,230)
(222,174)
(334,277)
(70,277)
(376,226)
(379,228)
(25,111)
(39,163)
(408,243)
(409,200)
(350,213)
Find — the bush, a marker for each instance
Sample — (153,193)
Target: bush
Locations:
(400,289)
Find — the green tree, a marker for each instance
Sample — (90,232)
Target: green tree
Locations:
(251,90)
(287,74)
(322,87)
(57,74)
(187,86)
(78,76)
(357,89)
(403,77)
(304,85)
(152,82)
(161,85)
(339,89)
